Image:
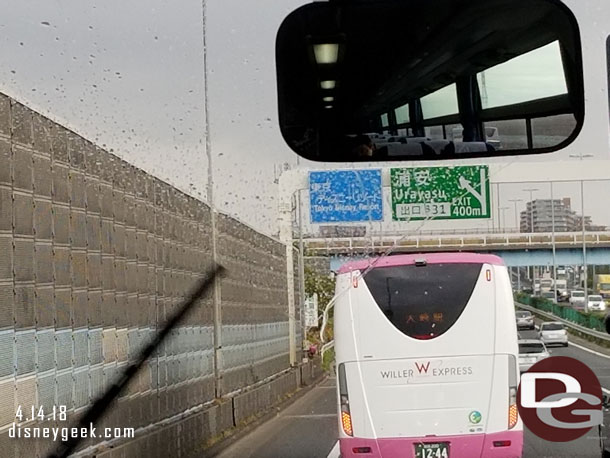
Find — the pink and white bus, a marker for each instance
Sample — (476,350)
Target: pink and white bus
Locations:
(426,352)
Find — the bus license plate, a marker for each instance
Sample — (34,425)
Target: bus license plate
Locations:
(436,450)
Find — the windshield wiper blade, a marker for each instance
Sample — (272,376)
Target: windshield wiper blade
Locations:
(100,406)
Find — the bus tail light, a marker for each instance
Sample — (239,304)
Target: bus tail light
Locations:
(513,413)
(346,417)
(502,443)
(346,423)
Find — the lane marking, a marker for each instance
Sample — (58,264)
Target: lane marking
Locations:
(572,344)
(335,452)
(589,350)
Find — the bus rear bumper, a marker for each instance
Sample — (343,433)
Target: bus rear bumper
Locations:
(506,444)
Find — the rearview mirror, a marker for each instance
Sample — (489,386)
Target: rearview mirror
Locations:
(415,79)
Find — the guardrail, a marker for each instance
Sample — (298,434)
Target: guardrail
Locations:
(574,326)
(587,320)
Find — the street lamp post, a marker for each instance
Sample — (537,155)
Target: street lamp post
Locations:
(584,245)
(216,295)
(514,201)
(301,265)
(553,238)
(502,210)
(532,191)
(584,242)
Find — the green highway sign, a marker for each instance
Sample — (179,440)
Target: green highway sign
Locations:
(460,192)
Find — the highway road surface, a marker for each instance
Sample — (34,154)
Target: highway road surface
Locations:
(308,428)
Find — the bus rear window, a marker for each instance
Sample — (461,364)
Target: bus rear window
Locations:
(530,348)
(552,327)
(423,302)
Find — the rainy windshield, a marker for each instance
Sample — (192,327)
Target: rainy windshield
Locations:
(143,144)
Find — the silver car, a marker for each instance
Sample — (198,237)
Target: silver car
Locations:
(524,320)
(530,352)
(553,333)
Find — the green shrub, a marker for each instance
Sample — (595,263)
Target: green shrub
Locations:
(327,360)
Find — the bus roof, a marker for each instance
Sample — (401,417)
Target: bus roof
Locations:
(431,258)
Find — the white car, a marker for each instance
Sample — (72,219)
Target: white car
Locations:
(577,299)
(553,333)
(524,320)
(530,352)
(596,303)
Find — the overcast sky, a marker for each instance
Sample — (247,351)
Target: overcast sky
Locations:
(129,75)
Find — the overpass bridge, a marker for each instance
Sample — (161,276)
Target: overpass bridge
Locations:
(517,249)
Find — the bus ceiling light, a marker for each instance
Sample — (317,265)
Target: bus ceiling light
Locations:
(328,107)
(328,99)
(326,53)
(328,84)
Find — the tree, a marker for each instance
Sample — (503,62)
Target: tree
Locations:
(324,287)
